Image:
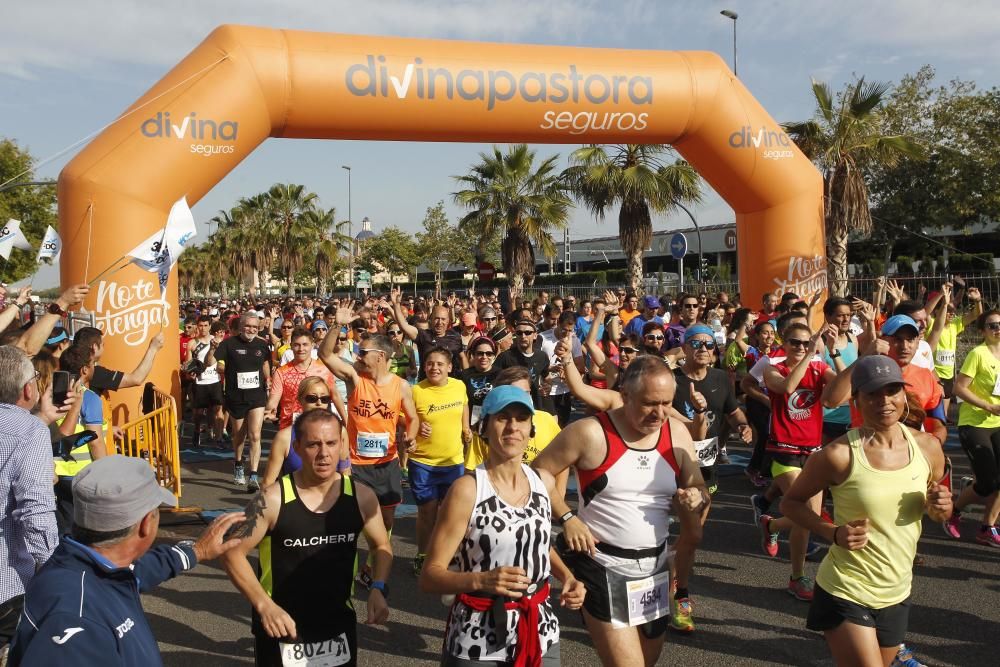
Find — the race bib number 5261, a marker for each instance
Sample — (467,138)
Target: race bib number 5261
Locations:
(328,653)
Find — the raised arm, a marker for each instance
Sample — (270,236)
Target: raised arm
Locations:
(786,384)
(32,340)
(599,399)
(410,331)
(139,374)
(328,355)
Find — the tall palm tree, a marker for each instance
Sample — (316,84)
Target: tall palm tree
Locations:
(292,229)
(845,139)
(637,178)
(512,199)
(332,242)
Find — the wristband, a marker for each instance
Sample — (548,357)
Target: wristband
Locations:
(566,517)
(343,464)
(55,309)
(835,354)
(835,535)
(701,412)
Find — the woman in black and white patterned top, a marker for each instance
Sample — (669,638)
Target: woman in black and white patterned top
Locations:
(490,547)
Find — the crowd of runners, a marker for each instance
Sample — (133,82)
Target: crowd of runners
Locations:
(485,412)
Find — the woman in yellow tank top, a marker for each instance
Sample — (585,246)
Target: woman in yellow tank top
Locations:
(883,477)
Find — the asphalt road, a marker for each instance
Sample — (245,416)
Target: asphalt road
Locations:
(742,613)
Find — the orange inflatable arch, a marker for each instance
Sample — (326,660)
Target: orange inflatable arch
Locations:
(243,85)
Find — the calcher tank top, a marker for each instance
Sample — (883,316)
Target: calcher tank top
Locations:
(498,535)
(625,501)
(893,502)
(307,562)
(372,413)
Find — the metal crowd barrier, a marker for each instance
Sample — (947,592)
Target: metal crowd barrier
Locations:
(154,438)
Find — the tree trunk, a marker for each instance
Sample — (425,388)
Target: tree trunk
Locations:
(635,230)
(836,259)
(634,268)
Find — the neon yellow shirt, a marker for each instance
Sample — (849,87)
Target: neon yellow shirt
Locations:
(982,367)
(944,355)
(442,408)
(546,429)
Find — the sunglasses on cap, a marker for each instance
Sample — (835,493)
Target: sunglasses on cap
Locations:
(698,344)
(314,398)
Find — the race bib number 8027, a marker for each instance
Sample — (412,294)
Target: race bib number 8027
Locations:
(327,653)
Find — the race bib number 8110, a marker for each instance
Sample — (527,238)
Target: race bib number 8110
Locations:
(328,653)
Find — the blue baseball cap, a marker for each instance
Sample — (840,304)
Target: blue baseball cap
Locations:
(693,331)
(651,302)
(897,322)
(504,395)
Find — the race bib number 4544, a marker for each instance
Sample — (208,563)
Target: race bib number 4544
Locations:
(328,653)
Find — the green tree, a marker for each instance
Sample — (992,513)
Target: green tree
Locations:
(511,199)
(34,206)
(393,251)
(636,178)
(845,139)
(330,253)
(958,183)
(435,242)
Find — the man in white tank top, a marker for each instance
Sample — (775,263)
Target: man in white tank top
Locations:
(631,462)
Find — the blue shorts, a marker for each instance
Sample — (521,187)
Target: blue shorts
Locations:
(432,482)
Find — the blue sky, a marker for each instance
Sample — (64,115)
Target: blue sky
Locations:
(69,67)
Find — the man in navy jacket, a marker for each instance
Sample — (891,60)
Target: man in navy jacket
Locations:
(82,607)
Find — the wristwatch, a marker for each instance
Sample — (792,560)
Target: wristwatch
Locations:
(566,517)
(382,588)
(55,309)
(834,353)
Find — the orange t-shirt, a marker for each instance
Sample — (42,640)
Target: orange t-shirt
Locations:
(626,316)
(372,413)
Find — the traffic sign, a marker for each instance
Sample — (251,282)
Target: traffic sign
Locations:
(487,271)
(678,246)
(364,280)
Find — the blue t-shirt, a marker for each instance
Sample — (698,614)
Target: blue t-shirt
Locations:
(841,414)
(92,411)
(583,329)
(637,323)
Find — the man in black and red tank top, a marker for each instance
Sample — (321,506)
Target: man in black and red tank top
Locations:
(631,462)
(307,526)
(795,386)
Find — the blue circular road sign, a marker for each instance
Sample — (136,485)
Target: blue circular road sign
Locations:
(678,246)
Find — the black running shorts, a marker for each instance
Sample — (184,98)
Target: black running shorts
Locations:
(827,612)
(384,479)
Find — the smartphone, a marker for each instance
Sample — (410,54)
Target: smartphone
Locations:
(60,387)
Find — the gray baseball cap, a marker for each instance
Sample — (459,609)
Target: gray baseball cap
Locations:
(873,372)
(115,492)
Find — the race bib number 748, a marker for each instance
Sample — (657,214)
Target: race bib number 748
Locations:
(327,653)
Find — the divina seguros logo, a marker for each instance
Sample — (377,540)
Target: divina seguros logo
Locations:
(190,127)
(374,78)
(776,144)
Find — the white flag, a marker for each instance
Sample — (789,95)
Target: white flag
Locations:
(169,242)
(163,273)
(11,237)
(51,246)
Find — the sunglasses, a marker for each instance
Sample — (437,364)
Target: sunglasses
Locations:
(289,326)
(342,339)
(653,336)
(698,344)
(628,350)
(795,342)
(393,333)
(523,333)
(489,319)
(362,351)
(483,353)
(993,326)
(313,398)
(690,305)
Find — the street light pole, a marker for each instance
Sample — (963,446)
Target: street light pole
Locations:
(350,225)
(697,229)
(732,15)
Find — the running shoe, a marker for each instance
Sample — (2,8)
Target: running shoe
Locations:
(990,536)
(953,526)
(760,507)
(253,485)
(904,658)
(681,619)
(768,540)
(418,564)
(801,588)
(239,477)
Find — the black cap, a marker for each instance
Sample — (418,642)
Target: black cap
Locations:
(873,372)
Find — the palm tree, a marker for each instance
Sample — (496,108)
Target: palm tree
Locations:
(512,199)
(332,242)
(292,230)
(844,140)
(635,177)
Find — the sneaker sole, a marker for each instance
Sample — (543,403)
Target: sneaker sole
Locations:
(797,596)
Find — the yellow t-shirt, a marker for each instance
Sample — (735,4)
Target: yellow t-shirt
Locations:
(982,367)
(944,356)
(442,408)
(546,429)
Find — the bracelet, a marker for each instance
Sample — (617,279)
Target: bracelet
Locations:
(566,517)
(701,412)
(835,535)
